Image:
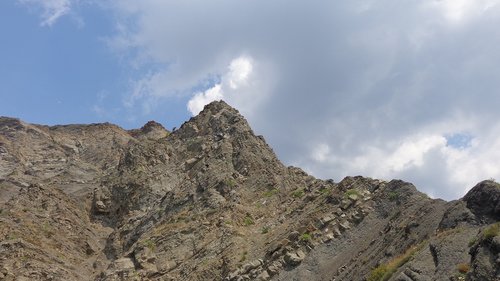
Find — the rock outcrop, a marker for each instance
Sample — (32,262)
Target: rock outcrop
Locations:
(211,201)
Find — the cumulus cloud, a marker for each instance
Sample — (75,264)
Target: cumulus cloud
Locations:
(51,10)
(196,104)
(238,75)
(340,88)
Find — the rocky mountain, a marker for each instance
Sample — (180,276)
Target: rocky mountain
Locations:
(211,201)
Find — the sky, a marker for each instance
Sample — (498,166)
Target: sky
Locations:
(385,89)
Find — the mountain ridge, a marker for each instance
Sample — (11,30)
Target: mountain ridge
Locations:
(211,201)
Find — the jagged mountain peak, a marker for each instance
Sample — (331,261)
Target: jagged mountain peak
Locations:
(218,118)
(211,201)
(218,106)
(152,125)
(150,130)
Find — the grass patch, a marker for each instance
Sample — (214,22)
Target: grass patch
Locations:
(150,244)
(271,192)
(472,241)
(265,230)
(350,192)
(248,221)
(47,229)
(230,182)
(298,193)
(324,190)
(393,196)
(385,271)
(378,273)
(305,237)
(491,231)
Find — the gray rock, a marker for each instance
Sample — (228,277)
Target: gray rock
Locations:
(329,237)
(336,231)
(484,200)
(251,265)
(101,207)
(345,204)
(293,236)
(344,225)
(123,264)
(326,220)
(294,258)
(146,259)
(274,268)
(263,276)
(353,197)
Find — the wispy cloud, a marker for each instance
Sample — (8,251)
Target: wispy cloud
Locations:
(50,10)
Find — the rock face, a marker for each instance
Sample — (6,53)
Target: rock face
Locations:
(484,201)
(210,201)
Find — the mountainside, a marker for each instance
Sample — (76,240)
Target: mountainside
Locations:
(211,201)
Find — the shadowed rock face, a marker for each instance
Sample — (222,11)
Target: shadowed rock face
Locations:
(484,201)
(211,201)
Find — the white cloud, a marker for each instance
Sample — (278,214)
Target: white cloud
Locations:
(320,152)
(337,87)
(51,10)
(457,11)
(239,71)
(196,103)
(411,153)
(236,77)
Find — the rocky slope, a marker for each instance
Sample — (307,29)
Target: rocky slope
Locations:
(210,201)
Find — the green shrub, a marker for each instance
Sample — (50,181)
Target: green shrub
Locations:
(248,221)
(230,182)
(378,273)
(393,196)
(491,231)
(350,192)
(149,244)
(472,241)
(298,193)
(265,230)
(305,237)
(324,190)
(270,192)
(385,271)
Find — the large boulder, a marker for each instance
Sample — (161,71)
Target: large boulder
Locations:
(484,201)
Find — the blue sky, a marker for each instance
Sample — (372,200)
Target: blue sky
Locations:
(382,88)
(66,72)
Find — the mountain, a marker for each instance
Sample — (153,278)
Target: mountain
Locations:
(211,201)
